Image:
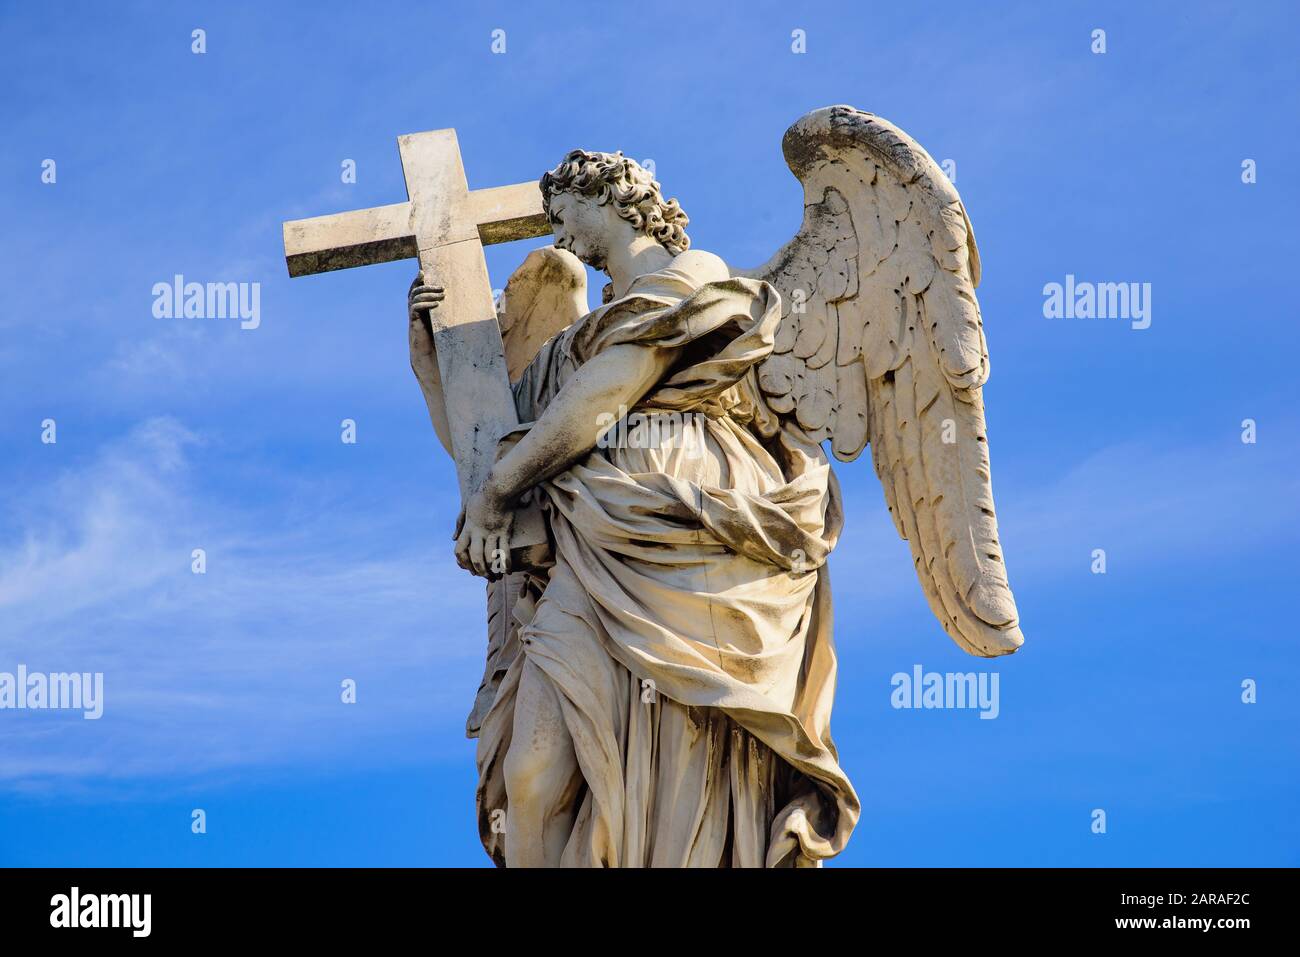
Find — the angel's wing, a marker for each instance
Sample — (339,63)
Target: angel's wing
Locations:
(881,342)
(547,293)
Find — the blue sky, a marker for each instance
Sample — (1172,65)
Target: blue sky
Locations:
(328,561)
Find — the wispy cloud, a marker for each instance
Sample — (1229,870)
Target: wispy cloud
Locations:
(1147,504)
(1156,503)
(239,666)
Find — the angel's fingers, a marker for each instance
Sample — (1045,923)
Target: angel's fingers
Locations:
(460,523)
(462,550)
(476,553)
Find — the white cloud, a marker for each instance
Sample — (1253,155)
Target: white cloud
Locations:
(237,667)
(1154,503)
(241,667)
(1147,504)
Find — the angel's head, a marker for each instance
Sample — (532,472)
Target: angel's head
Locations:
(596,201)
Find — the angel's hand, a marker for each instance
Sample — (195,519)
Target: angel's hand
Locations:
(483,534)
(420,301)
(423,298)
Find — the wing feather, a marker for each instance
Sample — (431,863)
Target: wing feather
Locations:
(882,343)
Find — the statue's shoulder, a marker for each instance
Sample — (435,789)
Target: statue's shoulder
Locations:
(702,264)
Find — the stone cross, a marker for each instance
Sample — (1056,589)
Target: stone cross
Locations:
(443,224)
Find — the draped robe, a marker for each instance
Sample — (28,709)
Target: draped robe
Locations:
(686,621)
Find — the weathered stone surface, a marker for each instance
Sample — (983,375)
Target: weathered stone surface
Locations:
(444,225)
(658,691)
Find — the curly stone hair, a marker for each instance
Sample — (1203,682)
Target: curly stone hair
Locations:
(636,195)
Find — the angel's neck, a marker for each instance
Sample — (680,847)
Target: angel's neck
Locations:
(626,262)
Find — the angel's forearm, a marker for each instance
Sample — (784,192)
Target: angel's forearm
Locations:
(570,427)
(430,380)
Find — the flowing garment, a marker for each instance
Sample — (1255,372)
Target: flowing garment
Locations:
(686,622)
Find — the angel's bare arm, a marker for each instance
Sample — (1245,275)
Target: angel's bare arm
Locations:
(424,361)
(569,428)
(566,431)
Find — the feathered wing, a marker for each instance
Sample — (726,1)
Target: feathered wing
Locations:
(544,296)
(881,342)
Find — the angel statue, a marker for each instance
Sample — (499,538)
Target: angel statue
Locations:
(658,687)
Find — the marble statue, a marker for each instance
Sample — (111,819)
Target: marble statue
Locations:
(660,663)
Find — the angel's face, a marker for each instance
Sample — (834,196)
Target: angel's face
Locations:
(582,226)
